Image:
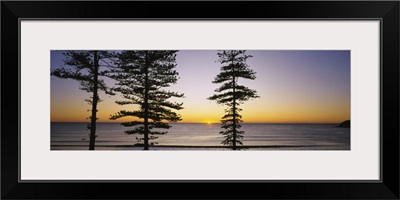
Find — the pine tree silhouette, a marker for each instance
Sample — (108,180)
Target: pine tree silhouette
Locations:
(231,94)
(85,67)
(141,78)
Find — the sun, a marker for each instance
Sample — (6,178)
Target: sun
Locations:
(209,122)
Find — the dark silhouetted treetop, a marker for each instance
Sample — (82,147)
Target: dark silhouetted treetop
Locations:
(142,78)
(231,94)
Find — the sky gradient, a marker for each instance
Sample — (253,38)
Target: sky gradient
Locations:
(295,86)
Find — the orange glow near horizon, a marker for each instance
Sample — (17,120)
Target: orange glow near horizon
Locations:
(77,112)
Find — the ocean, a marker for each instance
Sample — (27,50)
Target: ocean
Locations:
(197,136)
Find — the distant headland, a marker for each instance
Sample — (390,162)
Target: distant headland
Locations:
(345,124)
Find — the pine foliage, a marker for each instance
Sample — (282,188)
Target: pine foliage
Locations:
(142,78)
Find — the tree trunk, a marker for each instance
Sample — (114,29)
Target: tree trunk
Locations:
(234,108)
(146,107)
(94,103)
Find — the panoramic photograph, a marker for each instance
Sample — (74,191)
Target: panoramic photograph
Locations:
(202,100)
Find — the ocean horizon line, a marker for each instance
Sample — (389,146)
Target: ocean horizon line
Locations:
(272,123)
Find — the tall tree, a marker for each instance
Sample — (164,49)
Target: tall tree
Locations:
(142,77)
(232,94)
(85,67)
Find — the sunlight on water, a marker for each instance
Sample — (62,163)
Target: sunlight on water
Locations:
(111,136)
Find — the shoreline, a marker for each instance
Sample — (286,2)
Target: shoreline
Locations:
(196,147)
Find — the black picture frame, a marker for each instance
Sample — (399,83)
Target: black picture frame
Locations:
(386,11)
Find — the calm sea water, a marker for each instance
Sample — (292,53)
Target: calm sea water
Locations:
(111,136)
